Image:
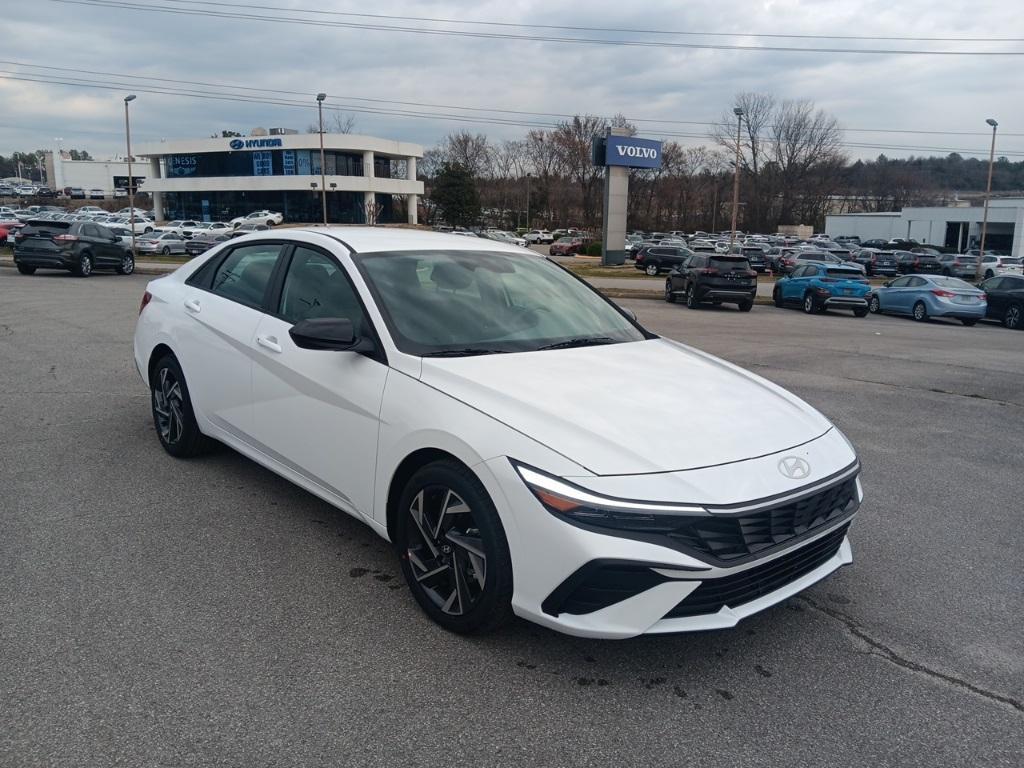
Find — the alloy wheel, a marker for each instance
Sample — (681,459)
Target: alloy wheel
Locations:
(127,264)
(1012,317)
(920,311)
(445,549)
(85,265)
(874,305)
(168,406)
(651,269)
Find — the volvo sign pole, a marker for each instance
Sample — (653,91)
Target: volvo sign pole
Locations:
(618,152)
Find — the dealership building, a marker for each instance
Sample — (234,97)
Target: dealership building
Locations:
(367,179)
(957,226)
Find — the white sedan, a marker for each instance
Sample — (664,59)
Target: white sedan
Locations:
(270,218)
(429,385)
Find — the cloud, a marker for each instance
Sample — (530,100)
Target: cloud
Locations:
(863,91)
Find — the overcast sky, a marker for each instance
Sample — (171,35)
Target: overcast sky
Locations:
(293,62)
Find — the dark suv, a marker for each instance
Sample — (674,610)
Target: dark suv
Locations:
(76,246)
(909,263)
(720,278)
(876,262)
(652,259)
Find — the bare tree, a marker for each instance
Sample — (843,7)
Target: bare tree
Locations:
(471,151)
(808,158)
(573,140)
(755,144)
(334,122)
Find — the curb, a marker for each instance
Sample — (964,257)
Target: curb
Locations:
(624,293)
(155,271)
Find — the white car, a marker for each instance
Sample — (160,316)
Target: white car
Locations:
(270,218)
(427,385)
(157,242)
(541,236)
(181,227)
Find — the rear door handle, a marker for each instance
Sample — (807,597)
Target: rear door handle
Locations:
(192,305)
(270,342)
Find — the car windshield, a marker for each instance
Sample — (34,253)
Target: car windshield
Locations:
(452,303)
(953,282)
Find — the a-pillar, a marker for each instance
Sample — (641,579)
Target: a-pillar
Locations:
(158,198)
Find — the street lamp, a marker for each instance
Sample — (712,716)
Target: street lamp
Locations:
(131,186)
(738,111)
(323,168)
(528,176)
(988,193)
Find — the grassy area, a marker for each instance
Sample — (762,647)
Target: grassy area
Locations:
(596,270)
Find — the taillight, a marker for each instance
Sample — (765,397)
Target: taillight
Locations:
(983,298)
(751,273)
(709,271)
(146,298)
(944,294)
(65,238)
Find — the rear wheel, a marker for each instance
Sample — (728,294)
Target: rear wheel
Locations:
(173,416)
(968,323)
(745,306)
(875,306)
(809,305)
(1013,316)
(651,269)
(453,550)
(26,270)
(777,298)
(84,266)
(127,265)
(920,312)
(166,250)
(691,298)
(669,296)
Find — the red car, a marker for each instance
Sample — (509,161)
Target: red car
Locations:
(566,246)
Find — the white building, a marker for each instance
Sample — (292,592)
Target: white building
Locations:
(953,227)
(108,175)
(222,178)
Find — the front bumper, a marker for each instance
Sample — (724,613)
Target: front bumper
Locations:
(666,584)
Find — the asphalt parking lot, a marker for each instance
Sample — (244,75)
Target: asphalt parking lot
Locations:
(159,612)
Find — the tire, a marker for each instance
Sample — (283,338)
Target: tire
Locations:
(874,306)
(969,323)
(84,266)
(745,306)
(127,265)
(147,230)
(809,305)
(270,222)
(173,417)
(777,299)
(989,274)
(430,559)
(669,296)
(920,312)
(1013,317)
(946,272)
(166,250)
(26,270)
(651,269)
(860,313)
(691,298)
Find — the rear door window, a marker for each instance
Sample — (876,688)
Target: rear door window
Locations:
(244,275)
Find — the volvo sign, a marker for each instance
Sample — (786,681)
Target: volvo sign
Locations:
(632,152)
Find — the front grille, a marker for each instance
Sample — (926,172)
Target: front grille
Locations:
(743,587)
(725,539)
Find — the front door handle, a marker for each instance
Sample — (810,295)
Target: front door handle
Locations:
(192,305)
(270,342)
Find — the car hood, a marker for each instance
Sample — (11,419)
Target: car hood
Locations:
(642,407)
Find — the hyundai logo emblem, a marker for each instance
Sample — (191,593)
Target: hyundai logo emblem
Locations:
(794,467)
(236,144)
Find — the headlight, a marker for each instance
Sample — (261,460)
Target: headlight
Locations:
(576,504)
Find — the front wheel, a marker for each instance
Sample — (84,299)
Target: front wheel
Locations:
(669,296)
(147,230)
(745,306)
(26,270)
(860,313)
(875,306)
(127,265)
(920,312)
(651,269)
(166,250)
(1013,317)
(809,306)
(777,298)
(175,421)
(453,550)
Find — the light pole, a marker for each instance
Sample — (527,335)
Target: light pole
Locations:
(528,200)
(988,193)
(738,111)
(131,186)
(323,168)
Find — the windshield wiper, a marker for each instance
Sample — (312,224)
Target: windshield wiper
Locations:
(464,352)
(582,341)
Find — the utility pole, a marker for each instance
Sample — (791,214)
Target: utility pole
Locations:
(738,111)
(323,168)
(131,184)
(988,193)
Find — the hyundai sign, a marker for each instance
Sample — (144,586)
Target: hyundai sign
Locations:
(632,152)
(254,143)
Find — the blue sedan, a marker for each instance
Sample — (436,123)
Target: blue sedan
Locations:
(925,296)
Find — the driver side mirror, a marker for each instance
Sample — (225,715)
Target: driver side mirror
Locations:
(328,333)
(887,284)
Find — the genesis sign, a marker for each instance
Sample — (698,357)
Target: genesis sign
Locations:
(254,143)
(632,152)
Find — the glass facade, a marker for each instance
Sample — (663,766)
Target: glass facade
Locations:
(295,205)
(274,162)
